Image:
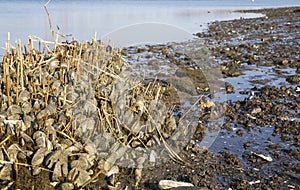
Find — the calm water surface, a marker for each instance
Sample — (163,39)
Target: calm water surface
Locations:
(83,18)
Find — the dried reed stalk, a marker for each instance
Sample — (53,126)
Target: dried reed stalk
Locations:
(49,19)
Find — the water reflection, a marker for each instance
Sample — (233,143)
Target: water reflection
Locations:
(83,18)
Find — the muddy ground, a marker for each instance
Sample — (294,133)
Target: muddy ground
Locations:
(260,63)
(257,146)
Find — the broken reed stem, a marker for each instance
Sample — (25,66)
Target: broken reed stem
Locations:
(23,164)
(4,140)
(192,107)
(92,179)
(56,40)
(30,46)
(18,81)
(67,136)
(65,95)
(21,65)
(45,42)
(7,82)
(49,19)
(6,70)
(158,94)
(95,38)
(8,43)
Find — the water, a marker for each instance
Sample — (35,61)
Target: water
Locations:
(83,18)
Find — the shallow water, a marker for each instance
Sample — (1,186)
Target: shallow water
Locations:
(83,18)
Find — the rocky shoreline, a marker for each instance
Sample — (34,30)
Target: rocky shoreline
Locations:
(257,146)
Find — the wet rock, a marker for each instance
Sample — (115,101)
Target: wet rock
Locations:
(239,132)
(294,79)
(230,158)
(229,88)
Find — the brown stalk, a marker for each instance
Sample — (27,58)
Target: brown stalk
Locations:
(21,65)
(7,79)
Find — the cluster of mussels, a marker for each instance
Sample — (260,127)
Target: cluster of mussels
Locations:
(74,110)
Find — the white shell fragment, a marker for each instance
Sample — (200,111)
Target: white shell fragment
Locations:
(266,158)
(113,170)
(254,182)
(168,184)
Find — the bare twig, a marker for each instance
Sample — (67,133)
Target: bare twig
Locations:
(47,3)
(49,19)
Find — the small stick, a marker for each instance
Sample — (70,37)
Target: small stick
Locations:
(6,139)
(193,106)
(16,169)
(8,41)
(65,95)
(48,88)
(67,136)
(40,76)
(61,78)
(23,164)
(17,95)
(34,89)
